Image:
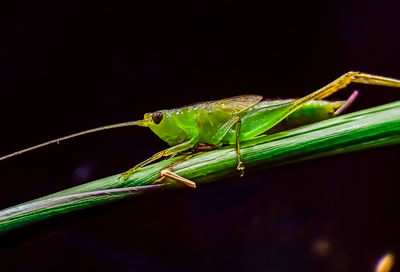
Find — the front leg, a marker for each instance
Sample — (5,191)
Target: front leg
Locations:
(167,152)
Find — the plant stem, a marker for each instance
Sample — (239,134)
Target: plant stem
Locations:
(374,127)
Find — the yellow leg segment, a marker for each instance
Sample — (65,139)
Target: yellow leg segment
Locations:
(343,81)
(168,174)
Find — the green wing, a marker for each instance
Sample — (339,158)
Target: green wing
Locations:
(234,105)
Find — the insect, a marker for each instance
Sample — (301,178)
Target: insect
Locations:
(232,121)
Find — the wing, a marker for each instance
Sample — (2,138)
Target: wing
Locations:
(234,105)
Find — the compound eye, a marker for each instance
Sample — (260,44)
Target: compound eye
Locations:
(157,117)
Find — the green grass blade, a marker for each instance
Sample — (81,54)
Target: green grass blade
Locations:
(374,127)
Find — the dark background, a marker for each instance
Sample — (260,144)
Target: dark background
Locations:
(66,66)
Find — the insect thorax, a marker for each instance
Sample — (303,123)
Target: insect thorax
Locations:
(177,126)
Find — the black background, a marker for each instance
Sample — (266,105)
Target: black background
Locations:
(66,66)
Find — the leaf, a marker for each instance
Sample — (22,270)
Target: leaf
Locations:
(370,128)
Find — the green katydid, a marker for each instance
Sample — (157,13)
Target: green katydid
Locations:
(233,120)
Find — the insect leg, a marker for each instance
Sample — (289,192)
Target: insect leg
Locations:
(240,165)
(269,117)
(235,120)
(167,152)
(167,173)
(343,81)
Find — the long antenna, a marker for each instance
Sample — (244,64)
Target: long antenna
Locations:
(142,123)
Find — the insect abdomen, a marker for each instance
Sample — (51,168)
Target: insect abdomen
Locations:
(311,112)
